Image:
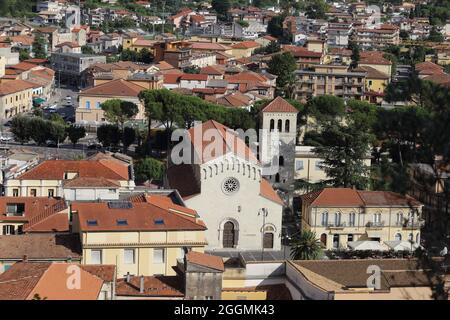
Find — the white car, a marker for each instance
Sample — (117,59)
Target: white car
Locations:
(5,139)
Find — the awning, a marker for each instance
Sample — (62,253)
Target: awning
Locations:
(399,245)
(374,234)
(366,245)
(38,100)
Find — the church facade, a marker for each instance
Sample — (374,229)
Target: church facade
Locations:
(240,208)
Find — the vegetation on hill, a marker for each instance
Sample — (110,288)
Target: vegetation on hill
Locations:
(16,8)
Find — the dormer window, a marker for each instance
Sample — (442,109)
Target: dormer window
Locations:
(70,175)
(15,209)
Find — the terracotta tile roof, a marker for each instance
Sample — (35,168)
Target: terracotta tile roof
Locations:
(273,291)
(172,78)
(166,203)
(23,66)
(118,87)
(14,86)
(373,57)
(141,216)
(206,260)
(301,52)
(106,272)
(246,76)
(144,43)
(428,68)
(209,46)
(372,73)
(279,105)
(69,44)
(441,79)
(18,282)
(55,170)
(40,246)
(91,182)
(25,40)
(33,206)
(216,70)
(197,77)
(246,45)
(238,146)
(236,99)
(154,286)
(346,197)
(268,192)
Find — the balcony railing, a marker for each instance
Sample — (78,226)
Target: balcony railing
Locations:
(339,225)
(375,224)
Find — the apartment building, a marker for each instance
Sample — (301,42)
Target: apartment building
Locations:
(145,236)
(16,97)
(69,66)
(381,37)
(334,80)
(345,218)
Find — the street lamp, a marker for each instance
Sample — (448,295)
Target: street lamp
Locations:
(263,212)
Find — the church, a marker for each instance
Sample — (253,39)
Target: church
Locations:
(240,208)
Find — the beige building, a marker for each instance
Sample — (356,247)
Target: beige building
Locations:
(343,218)
(380,37)
(144,236)
(16,97)
(89,110)
(333,80)
(49,178)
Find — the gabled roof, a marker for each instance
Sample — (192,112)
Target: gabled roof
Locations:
(346,197)
(268,192)
(279,105)
(55,170)
(137,216)
(372,73)
(154,286)
(196,77)
(205,260)
(117,87)
(14,86)
(246,45)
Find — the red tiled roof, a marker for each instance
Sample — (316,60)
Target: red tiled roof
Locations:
(154,286)
(143,216)
(23,66)
(246,76)
(55,169)
(279,105)
(216,70)
(209,46)
(18,85)
(246,45)
(70,44)
(197,77)
(172,78)
(91,182)
(268,192)
(206,260)
(117,87)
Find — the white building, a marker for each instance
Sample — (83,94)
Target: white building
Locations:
(240,208)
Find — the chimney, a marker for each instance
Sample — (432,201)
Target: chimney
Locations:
(128,277)
(25,258)
(141,284)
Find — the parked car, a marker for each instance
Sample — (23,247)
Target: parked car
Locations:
(5,139)
(51,144)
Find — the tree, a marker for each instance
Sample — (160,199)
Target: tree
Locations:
(108,135)
(24,54)
(325,108)
(87,50)
(56,132)
(306,246)
(221,7)
(75,133)
(39,130)
(283,66)
(148,169)
(119,111)
(355,53)
(316,9)
(275,26)
(20,126)
(39,46)
(128,137)
(435,35)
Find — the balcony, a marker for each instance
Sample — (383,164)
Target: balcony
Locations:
(413,224)
(375,225)
(335,226)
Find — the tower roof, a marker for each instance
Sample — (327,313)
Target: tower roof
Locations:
(279,105)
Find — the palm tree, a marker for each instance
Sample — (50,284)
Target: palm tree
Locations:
(306,246)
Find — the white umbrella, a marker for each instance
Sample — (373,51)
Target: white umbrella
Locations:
(399,245)
(366,245)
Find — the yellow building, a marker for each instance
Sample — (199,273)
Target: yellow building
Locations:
(89,110)
(376,81)
(376,60)
(344,218)
(145,236)
(244,49)
(15,97)
(135,43)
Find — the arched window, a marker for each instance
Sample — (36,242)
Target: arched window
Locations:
(349,238)
(286,125)
(277,177)
(280,125)
(324,219)
(399,219)
(272,124)
(411,237)
(398,237)
(336,241)
(418,238)
(351,219)
(281,161)
(337,219)
(229,239)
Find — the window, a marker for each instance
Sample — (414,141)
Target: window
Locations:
(15,192)
(335,241)
(286,125)
(96,256)
(51,192)
(15,209)
(399,218)
(349,238)
(324,219)
(318,166)
(92,223)
(128,256)
(281,161)
(88,104)
(398,237)
(280,125)
(377,218)
(337,219)
(299,165)
(8,229)
(158,255)
(230,185)
(351,219)
(33,192)
(411,237)
(98,105)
